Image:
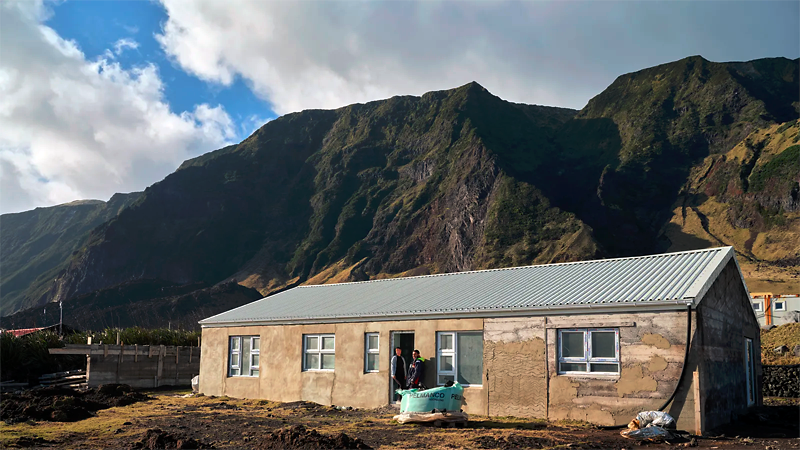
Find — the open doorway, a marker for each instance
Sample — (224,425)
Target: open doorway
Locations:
(404,340)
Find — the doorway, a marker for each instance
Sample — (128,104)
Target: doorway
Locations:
(404,340)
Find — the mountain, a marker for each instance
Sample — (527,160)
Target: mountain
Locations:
(36,245)
(688,154)
(143,303)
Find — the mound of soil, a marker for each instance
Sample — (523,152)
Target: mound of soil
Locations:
(299,437)
(58,404)
(155,438)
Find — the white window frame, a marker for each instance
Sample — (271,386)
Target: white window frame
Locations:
(235,370)
(453,352)
(255,350)
(319,351)
(757,306)
(371,351)
(782,305)
(587,358)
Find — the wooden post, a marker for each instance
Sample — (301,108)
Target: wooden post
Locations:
(698,404)
(119,362)
(162,352)
(136,353)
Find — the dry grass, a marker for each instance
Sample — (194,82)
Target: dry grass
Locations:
(787,334)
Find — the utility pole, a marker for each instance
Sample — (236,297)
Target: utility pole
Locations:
(60,318)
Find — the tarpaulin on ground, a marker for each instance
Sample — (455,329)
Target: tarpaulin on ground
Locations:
(432,417)
(441,399)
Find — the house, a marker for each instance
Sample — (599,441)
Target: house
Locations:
(54,328)
(776,309)
(594,340)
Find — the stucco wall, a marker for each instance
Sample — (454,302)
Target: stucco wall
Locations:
(282,378)
(515,365)
(652,349)
(725,319)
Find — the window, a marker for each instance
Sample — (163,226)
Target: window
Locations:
(588,350)
(780,306)
(756,306)
(749,369)
(460,357)
(319,351)
(243,357)
(371,352)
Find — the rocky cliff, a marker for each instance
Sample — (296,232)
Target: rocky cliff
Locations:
(688,154)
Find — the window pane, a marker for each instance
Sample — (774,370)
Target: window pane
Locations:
(443,379)
(235,343)
(255,360)
(572,367)
(327,342)
(470,358)
(327,360)
(372,341)
(572,344)
(234,372)
(254,372)
(602,367)
(446,341)
(604,344)
(245,356)
(234,359)
(312,361)
(372,361)
(312,343)
(446,364)
(256,344)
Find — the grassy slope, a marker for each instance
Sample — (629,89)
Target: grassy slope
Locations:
(786,334)
(744,198)
(37,244)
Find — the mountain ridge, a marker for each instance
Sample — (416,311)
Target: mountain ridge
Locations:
(461,179)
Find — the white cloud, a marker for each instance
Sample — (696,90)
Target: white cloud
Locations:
(316,54)
(300,55)
(123,44)
(72,128)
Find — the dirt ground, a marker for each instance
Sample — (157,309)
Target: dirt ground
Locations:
(175,419)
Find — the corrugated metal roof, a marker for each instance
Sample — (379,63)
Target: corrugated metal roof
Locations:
(645,280)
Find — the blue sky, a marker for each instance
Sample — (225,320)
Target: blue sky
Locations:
(98,97)
(97,25)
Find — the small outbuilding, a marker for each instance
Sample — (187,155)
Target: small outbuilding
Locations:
(593,340)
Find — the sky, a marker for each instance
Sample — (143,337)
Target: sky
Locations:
(99,97)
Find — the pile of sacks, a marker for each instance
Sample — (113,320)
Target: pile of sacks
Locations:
(650,426)
(442,404)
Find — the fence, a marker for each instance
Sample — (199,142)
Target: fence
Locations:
(141,366)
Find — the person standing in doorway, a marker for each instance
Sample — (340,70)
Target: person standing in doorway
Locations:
(398,372)
(416,373)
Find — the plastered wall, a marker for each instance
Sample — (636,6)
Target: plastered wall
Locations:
(516,367)
(282,378)
(520,357)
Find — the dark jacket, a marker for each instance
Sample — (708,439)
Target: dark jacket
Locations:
(398,369)
(416,373)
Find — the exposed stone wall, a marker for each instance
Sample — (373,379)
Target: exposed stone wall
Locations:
(652,348)
(781,381)
(514,361)
(725,319)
